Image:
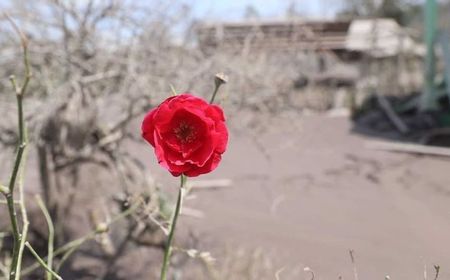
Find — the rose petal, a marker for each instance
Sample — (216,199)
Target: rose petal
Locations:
(147,127)
(212,163)
(190,156)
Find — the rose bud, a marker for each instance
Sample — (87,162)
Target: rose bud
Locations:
(188,134)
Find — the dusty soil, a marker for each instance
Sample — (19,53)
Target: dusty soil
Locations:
(305,191)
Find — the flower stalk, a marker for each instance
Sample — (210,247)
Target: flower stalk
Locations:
(168,249)
(219,80)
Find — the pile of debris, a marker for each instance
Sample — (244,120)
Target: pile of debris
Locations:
(399,117)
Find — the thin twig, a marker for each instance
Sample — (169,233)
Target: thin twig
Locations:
(12,209)
(51,234)
(278,273)
(26,62)
(80,241)
(41,261)
(23,211)
(18,238)
(355,271)
(437,268)
(67,255)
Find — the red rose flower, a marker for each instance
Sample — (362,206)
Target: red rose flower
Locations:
(188,134)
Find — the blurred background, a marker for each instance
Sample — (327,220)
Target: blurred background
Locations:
(338,111)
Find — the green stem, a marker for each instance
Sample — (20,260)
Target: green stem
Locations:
(20,118)
(66,248)
(80,241)
(51,235)
(17,237)
(216,89)
(12,181)
(219,80)
(173,224)
(23,211)
(41,261)
(21,249)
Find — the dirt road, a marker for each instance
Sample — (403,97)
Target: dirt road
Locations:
(308,191)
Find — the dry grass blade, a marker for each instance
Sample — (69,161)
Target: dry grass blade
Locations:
(278,273)
(437,269)
(355,271)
